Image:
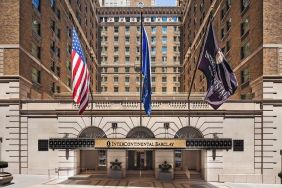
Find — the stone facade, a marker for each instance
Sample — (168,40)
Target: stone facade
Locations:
(25,122)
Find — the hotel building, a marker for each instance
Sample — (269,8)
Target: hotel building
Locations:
(239,142)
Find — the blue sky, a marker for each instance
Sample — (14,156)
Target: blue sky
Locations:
(165,2)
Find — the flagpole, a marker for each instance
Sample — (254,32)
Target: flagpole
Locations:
(140,4)
(91,111)
(193,78)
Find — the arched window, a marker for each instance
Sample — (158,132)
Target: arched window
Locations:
(140,132)
(188,132)
(92,132)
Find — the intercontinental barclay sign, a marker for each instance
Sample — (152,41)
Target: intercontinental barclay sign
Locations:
(140,143)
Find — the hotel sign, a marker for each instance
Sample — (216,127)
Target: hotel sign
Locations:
(140,143)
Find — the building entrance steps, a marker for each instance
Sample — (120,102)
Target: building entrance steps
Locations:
(180,175)
(144,173)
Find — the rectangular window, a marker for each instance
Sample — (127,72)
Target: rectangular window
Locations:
(164,49)
(115,69)
(245,50)
(245,27)
(153,39)
(164,58)
(154,29)
(115,79)
(127,89)
(127,79)
(35,76)
(116,39)
(164,89)
(164,19)
(153,69)
(164,79)
(116,29)
(36,4)
(164,29)
(127,69)
(153,78)
(36,27)
(244,5)
(115,89)
(35,51)
(164,39)
(245,76)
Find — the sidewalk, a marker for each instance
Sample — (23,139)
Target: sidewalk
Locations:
(244,185)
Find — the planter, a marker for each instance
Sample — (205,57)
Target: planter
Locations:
(3,164)
(5,178)
(165,176)
(115,174)
(280,176)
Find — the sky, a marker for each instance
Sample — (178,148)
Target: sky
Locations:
(165,2)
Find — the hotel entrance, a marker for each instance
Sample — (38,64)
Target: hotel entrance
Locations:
(140,160)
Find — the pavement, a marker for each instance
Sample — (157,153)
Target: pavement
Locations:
(37,181)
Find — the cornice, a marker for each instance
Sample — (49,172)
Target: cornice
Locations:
(103,11)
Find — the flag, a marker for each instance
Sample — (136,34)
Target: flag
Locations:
(146,72)
(221,80)
(80,74)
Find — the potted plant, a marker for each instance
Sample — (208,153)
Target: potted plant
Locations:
(165,173)
(115,169)
(280,176)
(5,177)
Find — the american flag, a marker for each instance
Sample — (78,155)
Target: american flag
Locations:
(80,74)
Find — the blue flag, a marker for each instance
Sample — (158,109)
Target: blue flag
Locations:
(146,71)
(221,80)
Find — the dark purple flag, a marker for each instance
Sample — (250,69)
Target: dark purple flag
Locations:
(221,79)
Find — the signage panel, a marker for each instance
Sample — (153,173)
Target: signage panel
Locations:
(140,143)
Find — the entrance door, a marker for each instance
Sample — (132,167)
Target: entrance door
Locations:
(140,160)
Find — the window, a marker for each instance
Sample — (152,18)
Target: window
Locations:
(127,28)
(104,79)
(164,79)
(116,39)
(115,59)
(127,69)
(115,89)
(154,29)
(36,4)
(153,78)
(127,39)
(153,89)
(116,29)
(244,5)
(222,33)
(127,89)
(153,39)
(228,45)
(105,89)
(36,76)
(228,24)
(35,50)
(153,59)
(164,39)
(153,49)
(245,50)
(115,69)
(36,27)
(245,76)
(127,79)
(164,49)
(127,49)
(164,29)
(245,27)
(164,89)
(164,58)
(115,49)
(164,69)
(153,69)
(127,58)
(174,78)
(115,79)
(164,19)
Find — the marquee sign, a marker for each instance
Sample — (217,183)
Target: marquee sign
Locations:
(140,143)
(129,143)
